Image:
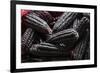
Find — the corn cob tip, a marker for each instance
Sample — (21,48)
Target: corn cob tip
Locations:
(50,30)
(75,32)
(33,48)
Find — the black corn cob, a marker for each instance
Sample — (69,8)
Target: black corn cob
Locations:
(68,37)
(46,46)
(27,40)
(80,48)
(47,50)
(64,21)
(37,23)
(82,25)
(45,15)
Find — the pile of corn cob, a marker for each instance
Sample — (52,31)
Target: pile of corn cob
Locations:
(54,36)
